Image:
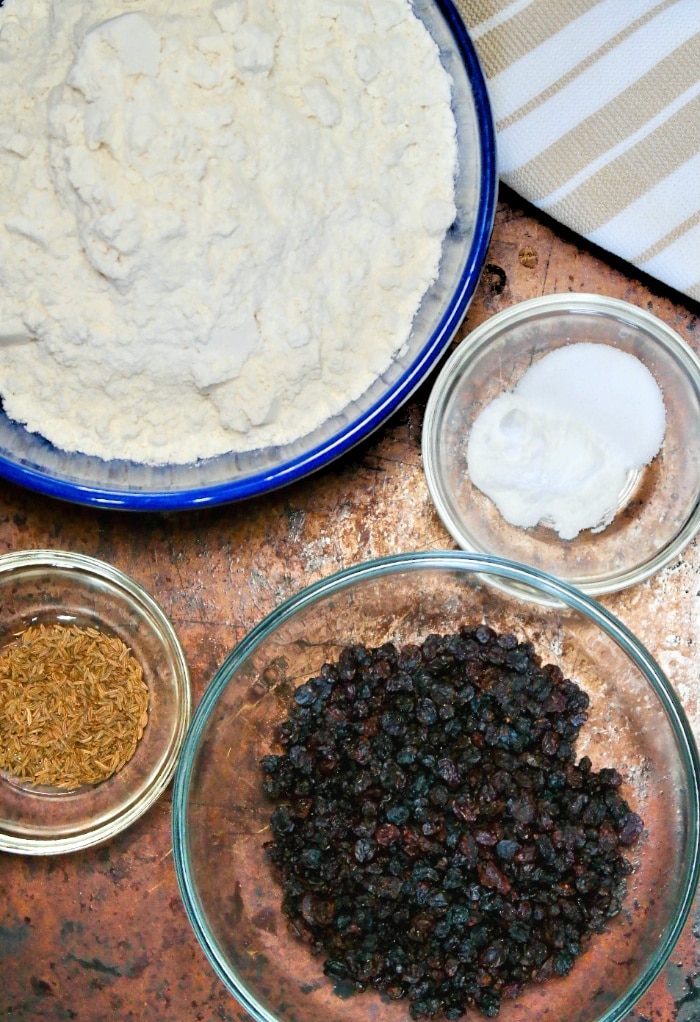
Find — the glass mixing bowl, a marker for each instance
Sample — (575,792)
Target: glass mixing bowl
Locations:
(221,815)
(28,459)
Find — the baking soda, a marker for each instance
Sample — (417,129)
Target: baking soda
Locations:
(561,445)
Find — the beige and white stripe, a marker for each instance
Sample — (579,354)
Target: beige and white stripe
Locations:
(597,110)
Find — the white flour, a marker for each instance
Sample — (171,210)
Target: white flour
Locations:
(227,229)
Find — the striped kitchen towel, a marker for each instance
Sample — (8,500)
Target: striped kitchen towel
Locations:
(597,110)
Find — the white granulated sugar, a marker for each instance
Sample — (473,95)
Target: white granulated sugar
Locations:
(217,220)
(561,445)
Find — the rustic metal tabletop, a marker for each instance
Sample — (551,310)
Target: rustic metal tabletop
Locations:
(102,936)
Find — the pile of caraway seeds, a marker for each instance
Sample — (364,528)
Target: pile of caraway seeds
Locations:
(434,835)
(73,706)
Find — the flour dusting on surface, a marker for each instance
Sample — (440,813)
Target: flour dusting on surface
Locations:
(217,219)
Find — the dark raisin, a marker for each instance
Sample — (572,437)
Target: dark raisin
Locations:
(631,828)
(434,836)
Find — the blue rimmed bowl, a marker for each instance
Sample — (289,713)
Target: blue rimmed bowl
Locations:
(29,460)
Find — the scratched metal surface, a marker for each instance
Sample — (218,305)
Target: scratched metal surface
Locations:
(102,936)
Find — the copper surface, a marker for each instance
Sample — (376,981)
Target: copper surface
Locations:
(102,936)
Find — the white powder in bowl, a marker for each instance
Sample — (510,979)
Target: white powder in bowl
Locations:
(217,219)
(562,444)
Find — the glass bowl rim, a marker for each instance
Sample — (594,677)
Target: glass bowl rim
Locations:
(576,303)
(481,566)
(301,465)
(86,567)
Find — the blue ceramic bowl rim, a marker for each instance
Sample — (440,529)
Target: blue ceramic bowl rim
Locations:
(310,461)
(481,565)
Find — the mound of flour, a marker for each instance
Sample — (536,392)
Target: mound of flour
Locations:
(217,219)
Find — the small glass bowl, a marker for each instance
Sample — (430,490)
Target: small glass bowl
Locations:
(659,510)
(221,814)
(57,587)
